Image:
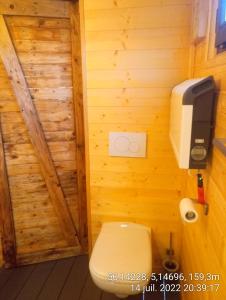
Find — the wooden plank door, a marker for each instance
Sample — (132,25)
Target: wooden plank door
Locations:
(42,133)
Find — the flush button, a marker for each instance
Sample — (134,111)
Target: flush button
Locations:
(134,147)
(127,144)
(122,144)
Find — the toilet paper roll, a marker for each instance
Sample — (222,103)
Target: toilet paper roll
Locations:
(187,210)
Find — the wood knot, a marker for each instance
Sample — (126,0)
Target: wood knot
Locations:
(14,156)
(41,22)
(11,6)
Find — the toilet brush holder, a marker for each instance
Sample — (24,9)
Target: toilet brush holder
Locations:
(205,206)
(169,263)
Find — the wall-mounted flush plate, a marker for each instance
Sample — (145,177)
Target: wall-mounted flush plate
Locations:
(127,144)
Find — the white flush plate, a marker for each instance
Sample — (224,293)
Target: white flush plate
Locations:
(127,144)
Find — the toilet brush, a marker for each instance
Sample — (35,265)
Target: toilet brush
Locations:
(169,263)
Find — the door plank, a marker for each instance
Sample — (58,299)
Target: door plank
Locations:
(56,9)
(79,121)
(29,114)
(7,223)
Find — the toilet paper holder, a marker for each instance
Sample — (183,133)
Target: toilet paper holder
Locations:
(187,209)
(205,205)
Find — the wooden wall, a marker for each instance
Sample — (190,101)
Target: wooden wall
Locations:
(136,51)
(204,243)
(43,46)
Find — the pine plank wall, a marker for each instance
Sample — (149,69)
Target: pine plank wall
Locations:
(136,51)
(204,243)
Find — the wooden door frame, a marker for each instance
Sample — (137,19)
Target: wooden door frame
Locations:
(81,12)
(6,214)
(68,10)
(78,97)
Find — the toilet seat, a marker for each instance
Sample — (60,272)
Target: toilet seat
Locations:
(122,249)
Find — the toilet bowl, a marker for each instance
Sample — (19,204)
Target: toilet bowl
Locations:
(121,260)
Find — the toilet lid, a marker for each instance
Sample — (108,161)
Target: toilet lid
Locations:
(123,249)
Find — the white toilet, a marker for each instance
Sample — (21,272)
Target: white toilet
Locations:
(121,260)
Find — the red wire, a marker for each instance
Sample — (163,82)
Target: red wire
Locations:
(201,194)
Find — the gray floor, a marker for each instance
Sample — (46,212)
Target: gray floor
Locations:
(65,279)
